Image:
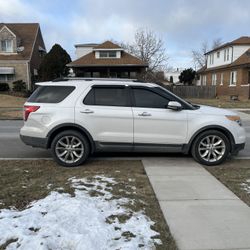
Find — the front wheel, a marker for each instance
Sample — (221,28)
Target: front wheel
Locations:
(210,148)
(70,148)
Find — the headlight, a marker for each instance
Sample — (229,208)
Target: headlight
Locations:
(234,118)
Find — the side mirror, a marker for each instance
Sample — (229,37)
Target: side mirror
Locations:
(174,105)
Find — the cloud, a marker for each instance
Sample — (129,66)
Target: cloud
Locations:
(182,24)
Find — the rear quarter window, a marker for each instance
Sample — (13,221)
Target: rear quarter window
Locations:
(50,94)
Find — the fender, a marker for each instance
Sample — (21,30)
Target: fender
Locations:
(65,126)
(186,147)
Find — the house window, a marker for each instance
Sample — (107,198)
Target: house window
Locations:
(132,74)
(6,77)
(7,46)
(218,54)
(107,54)
(204,80)
(233,78)
(96,74)
(211,59)
(221,78)
(214,79)
(227,54)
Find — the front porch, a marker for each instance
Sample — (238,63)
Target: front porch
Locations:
(109,72)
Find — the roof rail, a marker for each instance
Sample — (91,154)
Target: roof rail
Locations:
(95,79)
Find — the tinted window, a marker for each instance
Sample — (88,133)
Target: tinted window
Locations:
(50,94)
(148,99)
(107,97)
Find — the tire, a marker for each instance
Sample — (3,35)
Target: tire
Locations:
(210,148)
(70,148)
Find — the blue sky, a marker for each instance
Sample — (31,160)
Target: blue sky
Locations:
(182,24)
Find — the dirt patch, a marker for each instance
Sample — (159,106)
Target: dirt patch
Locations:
(22,182)
(234,174)
(6,114)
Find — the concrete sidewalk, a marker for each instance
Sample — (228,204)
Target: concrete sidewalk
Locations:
(200,211)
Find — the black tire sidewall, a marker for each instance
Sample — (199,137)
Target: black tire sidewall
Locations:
(195,152)
(80,137)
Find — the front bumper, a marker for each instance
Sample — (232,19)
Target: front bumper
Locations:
(35,141)
(236,148)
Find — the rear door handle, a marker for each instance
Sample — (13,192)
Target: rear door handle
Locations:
(87,111)
(144,114)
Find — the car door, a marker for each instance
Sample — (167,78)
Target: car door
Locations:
(106,114)
(153,122)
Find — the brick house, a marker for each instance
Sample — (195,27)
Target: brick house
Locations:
(228,67)
(21,51)
(106,60)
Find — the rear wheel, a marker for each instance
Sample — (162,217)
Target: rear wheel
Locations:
(211,148)
(70,148)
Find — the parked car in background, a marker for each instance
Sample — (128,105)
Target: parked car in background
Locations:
(77,117)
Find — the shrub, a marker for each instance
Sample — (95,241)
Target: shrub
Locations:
(19,86)
(4,86)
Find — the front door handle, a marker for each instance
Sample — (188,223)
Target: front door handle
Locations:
(144,114)
(87,111)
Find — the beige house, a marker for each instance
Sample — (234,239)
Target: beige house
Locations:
(228,68)
(106,60)
(21,51)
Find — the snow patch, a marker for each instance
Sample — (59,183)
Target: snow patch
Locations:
(246,186)
(91,219)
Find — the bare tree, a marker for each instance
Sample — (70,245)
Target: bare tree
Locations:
(199,57)
(216,43)
(149,47)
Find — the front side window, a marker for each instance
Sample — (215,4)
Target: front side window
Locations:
(147,99)
(107,96)
(233,78)
(7,46)
(50,94)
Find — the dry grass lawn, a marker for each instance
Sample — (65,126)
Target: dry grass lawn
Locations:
(235,175)
(8,101)
(11,114)
(22,182)
(221,102)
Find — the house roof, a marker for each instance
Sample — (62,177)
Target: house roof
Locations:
(91,61)
(243,60)
(26,33)
(108,45)
(244,40)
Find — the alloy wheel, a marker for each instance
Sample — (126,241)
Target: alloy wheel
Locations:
(212,148)
(69,149)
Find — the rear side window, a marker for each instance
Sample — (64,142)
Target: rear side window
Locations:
(50,94)
(147,99)
(111,96)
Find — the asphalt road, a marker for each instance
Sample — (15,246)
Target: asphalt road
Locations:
(12,147)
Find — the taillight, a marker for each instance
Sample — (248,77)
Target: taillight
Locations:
(29,109)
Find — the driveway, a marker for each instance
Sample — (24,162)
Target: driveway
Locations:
(12,147)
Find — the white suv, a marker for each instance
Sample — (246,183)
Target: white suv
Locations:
(75,118)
